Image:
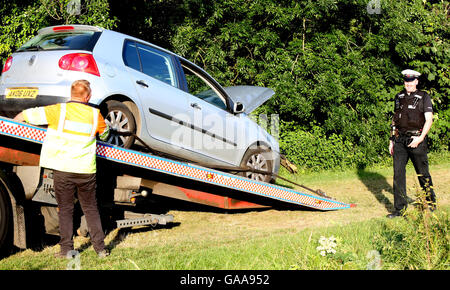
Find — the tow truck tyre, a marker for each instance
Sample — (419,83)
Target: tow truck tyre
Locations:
(5,220)
(258,158)
(120,118)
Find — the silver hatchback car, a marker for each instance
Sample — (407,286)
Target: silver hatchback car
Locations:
(170,103)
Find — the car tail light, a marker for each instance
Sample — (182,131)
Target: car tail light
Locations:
(62,28)
(83,62)
(8,64)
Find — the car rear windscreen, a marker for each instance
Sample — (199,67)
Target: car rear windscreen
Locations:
(73,40)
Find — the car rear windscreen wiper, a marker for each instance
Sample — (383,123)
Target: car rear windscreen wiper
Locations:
(36,47)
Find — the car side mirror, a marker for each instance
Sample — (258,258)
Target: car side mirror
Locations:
(238,108)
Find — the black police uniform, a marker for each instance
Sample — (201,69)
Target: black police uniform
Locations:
(409,120)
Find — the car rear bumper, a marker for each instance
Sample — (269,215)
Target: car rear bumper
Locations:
(11,107)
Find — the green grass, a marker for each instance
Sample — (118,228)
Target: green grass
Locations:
(436,159)
(280,239)
(278,251)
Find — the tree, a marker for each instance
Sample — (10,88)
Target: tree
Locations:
(335,67)
(22,19)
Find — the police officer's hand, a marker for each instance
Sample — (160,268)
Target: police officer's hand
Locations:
(391,147)
(416,140)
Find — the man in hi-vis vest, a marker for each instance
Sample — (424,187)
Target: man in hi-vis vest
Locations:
(69,149)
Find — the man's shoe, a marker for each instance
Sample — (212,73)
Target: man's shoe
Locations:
(103,254)
(394,215)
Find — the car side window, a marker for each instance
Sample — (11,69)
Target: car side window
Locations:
(202,90)
(130,56)
(157,64)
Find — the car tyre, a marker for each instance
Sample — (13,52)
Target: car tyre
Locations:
(258,158)
(120,118)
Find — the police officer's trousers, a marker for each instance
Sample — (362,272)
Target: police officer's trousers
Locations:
(419,158)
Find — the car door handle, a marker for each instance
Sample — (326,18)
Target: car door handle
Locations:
(195,106)
(142,83)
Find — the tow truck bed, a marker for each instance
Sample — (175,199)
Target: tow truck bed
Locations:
(167,167)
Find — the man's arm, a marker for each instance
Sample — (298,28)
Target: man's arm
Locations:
(19,117)
(391,138)
(103,129)
(37,116)
(426,127)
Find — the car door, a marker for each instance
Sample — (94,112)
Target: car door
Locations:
(217,132)
(154,74)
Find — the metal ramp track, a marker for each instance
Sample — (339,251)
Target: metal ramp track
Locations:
(133,220)
(106,151)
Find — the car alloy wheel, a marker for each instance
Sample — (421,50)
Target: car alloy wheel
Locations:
(257,159)
(120,119)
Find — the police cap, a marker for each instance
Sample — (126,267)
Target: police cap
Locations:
(410,75)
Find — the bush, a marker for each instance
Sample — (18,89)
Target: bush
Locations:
(332,64)
(315,151)
(421,241)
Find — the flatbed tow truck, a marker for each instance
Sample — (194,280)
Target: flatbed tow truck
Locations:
(128,182)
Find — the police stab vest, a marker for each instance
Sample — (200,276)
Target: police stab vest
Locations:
(409,111)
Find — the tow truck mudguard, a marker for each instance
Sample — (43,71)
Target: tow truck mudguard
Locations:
(194,172)
(17,210)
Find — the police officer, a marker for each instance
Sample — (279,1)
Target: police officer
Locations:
(413,117)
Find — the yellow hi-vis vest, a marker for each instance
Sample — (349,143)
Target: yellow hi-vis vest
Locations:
(70,143)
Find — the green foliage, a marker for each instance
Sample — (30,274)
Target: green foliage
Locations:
(315,151)
(18,23)
(22,19)
(334,66)
(89,12)
(421,242)
(153,21)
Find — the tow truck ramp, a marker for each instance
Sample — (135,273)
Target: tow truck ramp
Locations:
(214,178)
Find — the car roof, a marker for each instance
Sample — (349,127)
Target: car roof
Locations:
(80,27)
(74,27)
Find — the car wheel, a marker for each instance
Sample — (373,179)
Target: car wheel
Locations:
(260,159)
(6,225)
(120,118)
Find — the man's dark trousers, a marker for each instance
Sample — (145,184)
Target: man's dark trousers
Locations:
(66,185)
(419,158)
